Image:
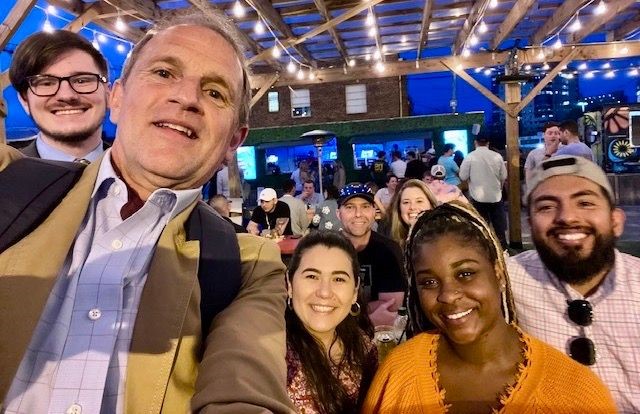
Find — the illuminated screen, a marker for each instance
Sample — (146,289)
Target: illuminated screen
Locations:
(459,138)
(247,162)
(634,128)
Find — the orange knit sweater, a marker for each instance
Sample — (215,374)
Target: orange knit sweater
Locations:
(549,382)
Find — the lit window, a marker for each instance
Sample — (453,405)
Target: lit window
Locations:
(274,103)
(356,99)
(300,103)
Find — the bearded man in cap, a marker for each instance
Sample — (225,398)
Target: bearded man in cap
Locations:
(576,291)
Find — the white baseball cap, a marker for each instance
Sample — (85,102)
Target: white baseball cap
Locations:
(267,194)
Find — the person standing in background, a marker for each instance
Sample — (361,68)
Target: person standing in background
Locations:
(446,160)
(551,137)
(571,144)
(339,175)
(398,166)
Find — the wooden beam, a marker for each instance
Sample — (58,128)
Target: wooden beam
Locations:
(567,10)
(337,40)
(84,18)
(545,81)
(424,26)
(266,9)
(320,29)
(14,19)
(144,8)
(512,92)
(377,36)
(263,89)
(518,11)
(628,29)
(476,60)
(477,11)
(477,85)
(614,7)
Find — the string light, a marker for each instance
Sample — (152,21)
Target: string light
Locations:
(377,55)
(541,54)
(576,25)
(95,43)
(367,57)
(589,75)
(47,27)
(259,27)
(633,72)
(557,44)
(624,50)
(466,53)
(545,66)
(102,38)
(610,74)
(379,67)
(120,48)
(238,10)
(352,63)
(582,66)
(369,21)
(52,10)
(527,67)
(300,74)
(121,26)
(312,76)
(483,27)
(473,40)
(600,8)
(606,65)
(291,67)
(372,32)
(275,52)
(403,40)
(478,70)
(487,72)
(493,4)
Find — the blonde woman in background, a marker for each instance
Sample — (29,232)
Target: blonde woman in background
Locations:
(412,198)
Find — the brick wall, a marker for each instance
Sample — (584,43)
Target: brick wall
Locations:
(328,103)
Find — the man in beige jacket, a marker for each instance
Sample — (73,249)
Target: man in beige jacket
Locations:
(100,304)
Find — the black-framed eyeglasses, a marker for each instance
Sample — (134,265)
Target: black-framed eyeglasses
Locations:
(49,85)
(581,349)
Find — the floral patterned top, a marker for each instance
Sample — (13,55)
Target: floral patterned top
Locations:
(326,217)
(298,387)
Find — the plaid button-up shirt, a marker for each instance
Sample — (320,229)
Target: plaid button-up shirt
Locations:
(541,304)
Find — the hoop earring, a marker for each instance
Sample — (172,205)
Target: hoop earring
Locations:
(289,303)
(505,306)
(357,311)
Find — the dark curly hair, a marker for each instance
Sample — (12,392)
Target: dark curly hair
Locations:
(463,221)
(329,394)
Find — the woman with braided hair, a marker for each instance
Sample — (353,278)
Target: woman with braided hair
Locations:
(468,355)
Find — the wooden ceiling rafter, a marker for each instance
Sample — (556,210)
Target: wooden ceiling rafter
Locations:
(562,15)
(320,29)
(14,19)
(517,12)
(424,26)
(468,28)
(614,7)
(337,40)
(273,19)
(630,28)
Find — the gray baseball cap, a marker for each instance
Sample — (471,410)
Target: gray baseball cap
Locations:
(569,165)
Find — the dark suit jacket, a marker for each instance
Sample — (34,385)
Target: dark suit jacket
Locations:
(32,151)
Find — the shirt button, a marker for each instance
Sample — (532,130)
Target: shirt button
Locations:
(95,314)
(116,190)
(74,409)
(116,244)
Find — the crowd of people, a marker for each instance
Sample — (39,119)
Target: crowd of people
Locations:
(122,291)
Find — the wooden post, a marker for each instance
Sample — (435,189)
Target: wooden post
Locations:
(3,116)
(512,97)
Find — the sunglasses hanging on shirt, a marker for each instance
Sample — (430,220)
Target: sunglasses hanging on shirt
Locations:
(581,349)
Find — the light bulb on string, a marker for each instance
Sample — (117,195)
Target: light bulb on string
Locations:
(466,53)
(300,74)
(372,32)
(545,66)
(121,26)
(120,48)
(557,44)
(403,39)
(102,38)
(275,52)
(582,66)
(600,8)
(47,27)
(634,72)
(487,72)
(379,67)
(589,75)
(478,70)
(312,75)
(606,65)
(238,10)
(576,25)
(493,4)
(473,40)
(624,50)
(370,21)
(527,67)
(95,43)
(483,27)
(610,74)
(352,63)
(259,27)
(367,57)
(377,55)
(541,54)
(52,10)
(291,67)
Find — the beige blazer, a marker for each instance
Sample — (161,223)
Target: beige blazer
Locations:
(243,368)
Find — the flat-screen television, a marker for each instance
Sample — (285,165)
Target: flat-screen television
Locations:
(634,127)
(459,138)
(247,162)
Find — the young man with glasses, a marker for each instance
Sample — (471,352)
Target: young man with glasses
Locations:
(61,80)
(576,291)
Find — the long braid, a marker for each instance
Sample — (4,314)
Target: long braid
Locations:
(451,217)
